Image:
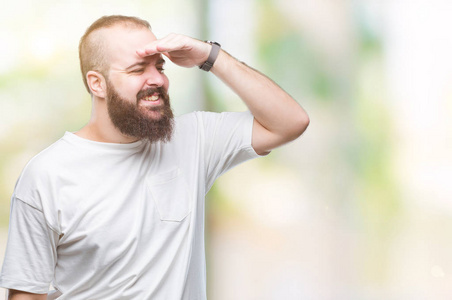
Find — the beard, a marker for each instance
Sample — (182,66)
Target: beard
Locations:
(152,123)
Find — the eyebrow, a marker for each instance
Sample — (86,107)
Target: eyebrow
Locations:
(140,63)
(160,61)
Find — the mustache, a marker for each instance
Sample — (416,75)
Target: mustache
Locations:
(151,91)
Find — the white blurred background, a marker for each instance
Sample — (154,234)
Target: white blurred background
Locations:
(360,207)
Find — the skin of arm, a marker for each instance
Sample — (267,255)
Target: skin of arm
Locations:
(278,118)
(20,295)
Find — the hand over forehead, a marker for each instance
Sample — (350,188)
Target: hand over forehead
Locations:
(180,49)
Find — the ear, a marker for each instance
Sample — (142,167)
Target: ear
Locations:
(97,84)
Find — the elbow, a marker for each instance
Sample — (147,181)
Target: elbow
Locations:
(300,125)
(305,122)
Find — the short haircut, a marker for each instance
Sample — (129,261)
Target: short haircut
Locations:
(91,47)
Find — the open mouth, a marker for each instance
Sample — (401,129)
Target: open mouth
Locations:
(151,98)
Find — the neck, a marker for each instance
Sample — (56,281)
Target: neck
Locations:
(94,132)
(100,127)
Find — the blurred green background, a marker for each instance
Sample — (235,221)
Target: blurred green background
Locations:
(360,207)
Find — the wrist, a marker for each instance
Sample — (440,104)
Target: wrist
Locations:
(213,55)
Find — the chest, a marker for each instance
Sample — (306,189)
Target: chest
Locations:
(116,206)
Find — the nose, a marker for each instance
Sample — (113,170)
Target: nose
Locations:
(155,78)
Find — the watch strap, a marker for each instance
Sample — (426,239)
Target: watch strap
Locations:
(207,65)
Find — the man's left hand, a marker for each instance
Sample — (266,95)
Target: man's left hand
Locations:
(182,50)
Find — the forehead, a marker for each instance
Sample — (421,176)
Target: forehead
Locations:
(121,43)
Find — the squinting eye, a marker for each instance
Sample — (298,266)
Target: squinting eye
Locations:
(138,71)
(161,69)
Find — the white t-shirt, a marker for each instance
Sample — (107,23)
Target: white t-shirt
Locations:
(121,221)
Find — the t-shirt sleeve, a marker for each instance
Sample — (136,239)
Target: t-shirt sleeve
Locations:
(30,256)
(228,138)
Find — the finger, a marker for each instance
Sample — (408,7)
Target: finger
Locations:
(141,52)
(148,50)
(155,49)
(159,46)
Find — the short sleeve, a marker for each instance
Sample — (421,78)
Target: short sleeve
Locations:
(228,139)
(30,256)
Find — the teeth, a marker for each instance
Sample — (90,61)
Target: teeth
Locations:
(152,98)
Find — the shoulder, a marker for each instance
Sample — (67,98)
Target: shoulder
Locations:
(190,121)
(47,158)
(38,171)
(196,123)
(205,117)
(191,118)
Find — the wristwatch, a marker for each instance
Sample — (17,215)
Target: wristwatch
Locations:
(212,56)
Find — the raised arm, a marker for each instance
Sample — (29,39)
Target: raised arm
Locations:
(278,117)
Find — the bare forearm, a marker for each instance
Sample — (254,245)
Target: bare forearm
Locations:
(278,118)
(271,106)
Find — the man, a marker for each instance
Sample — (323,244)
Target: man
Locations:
(116,210)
